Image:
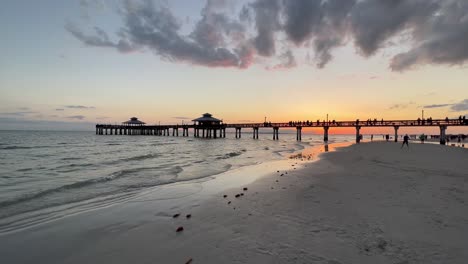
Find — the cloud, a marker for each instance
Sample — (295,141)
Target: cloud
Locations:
(436,32)
(266,22)
(59,109)
(440,39)
(22,124)
(182,117)
(375,21)
(287,61)
(401,106)
(77,117)
(461,106)
(19,113)
(436,105)
(99,39)
(102,117)
(76,107)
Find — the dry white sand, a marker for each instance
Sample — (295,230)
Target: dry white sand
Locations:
(368,203)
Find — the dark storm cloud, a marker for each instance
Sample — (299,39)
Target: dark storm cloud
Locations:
(375,21)
(442,39)
(266,23)
(436,32)
(461,106)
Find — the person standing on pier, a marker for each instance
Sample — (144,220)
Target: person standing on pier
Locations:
(405,141)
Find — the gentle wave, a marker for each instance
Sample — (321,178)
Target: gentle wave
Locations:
(229,155)
(25,147)
(78,185)
(141,157)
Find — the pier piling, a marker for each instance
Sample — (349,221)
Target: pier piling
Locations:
(325,133)
(299,133)
(275,133)
(442,134)
(396,132)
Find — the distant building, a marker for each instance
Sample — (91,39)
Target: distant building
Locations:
(207,120)
(133,122)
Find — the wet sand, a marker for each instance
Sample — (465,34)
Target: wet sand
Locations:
(367,203)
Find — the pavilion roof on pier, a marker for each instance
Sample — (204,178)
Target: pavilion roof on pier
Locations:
(207,117)
(133,121)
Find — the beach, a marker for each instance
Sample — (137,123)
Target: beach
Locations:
(365,203)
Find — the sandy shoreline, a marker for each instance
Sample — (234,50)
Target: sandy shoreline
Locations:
(368,203)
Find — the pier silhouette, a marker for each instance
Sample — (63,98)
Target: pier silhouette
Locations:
(209,127)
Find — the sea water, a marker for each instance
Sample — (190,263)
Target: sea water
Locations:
(43,173)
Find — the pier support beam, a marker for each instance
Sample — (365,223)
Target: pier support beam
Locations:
(275,133)
(255,133)
(238,132)
(325,133)
(298,133)
(443,139)
(358,135)
(396,132)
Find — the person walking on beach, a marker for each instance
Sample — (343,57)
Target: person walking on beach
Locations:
(405,141)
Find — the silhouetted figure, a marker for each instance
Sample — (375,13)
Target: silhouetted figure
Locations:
(371,137)
(405,141)
(387,137)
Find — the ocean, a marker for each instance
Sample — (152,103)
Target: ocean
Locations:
(46,175)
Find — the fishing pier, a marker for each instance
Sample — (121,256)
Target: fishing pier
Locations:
(209,127)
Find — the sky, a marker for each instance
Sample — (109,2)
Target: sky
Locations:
(72,64)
